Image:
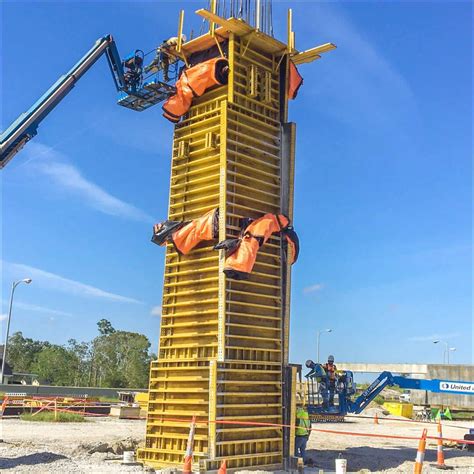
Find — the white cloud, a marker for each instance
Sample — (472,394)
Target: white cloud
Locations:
(40,309)
(3,316)
(65,176)
(52,281)
(156,311)
(313,288)
(434,337)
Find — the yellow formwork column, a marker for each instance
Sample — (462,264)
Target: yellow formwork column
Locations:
(224,343)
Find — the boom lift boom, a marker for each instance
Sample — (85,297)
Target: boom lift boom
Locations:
(134,93)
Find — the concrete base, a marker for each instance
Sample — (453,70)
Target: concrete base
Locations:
(119,411)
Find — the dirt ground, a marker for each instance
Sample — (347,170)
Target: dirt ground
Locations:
(64,447)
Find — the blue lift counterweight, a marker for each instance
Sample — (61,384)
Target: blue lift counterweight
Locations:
(134,93)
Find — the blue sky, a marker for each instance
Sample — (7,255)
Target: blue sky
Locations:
(383,201)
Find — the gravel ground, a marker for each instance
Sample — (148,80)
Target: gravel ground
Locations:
(64,447)
(384,455)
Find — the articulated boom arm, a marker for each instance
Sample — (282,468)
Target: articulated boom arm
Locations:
(435,385)
(387,379)
(134,93)
(25,126)
(361,402)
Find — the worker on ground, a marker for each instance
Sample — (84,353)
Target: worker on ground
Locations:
(329,387)
(163,57)
(303,427)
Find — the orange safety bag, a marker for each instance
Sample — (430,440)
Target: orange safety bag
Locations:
(187,235)
(193,82)
(295,81)
(239,264)
(242,252)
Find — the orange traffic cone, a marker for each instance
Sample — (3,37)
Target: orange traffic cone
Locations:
(223,468)
(188,457)
(376,419)
(420,455)
(440,455)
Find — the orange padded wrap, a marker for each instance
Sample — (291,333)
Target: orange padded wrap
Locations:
(240,263)
(243,260)
(264,227)
(294,82)
(193,233)
(242,252)
(193,82)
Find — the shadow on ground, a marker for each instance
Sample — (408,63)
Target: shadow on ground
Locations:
(366,457)
(30,460)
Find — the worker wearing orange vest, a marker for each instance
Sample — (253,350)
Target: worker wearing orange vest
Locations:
(328,392)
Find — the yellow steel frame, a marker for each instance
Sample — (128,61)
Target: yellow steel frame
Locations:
(223,343)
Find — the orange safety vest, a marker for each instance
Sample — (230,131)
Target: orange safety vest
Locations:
(242,252)
(331,371)
(187,235)
(193,82)
(294,82)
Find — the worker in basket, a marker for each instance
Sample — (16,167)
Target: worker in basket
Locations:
(302,431)
(164,56)
(328,385)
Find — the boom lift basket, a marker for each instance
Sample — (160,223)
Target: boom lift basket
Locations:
(150,94)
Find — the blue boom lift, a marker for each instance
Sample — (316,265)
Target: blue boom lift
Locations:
(136,92)
(345,388)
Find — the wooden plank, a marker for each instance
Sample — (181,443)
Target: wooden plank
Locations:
(312,54)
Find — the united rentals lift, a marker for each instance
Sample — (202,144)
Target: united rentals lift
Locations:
(223,348)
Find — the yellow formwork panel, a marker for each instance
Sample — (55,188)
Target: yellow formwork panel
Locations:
(222,342)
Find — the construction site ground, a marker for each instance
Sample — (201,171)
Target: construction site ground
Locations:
(67,447)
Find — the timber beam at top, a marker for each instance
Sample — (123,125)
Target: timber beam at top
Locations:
(264,41)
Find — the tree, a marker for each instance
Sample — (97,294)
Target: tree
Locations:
(113,359)
(23,352)
(57,365)
(105,327)
(83,352)
(121,359)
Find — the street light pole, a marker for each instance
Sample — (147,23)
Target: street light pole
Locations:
(319,337)
(446,350)
(14,285)
(450,349)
